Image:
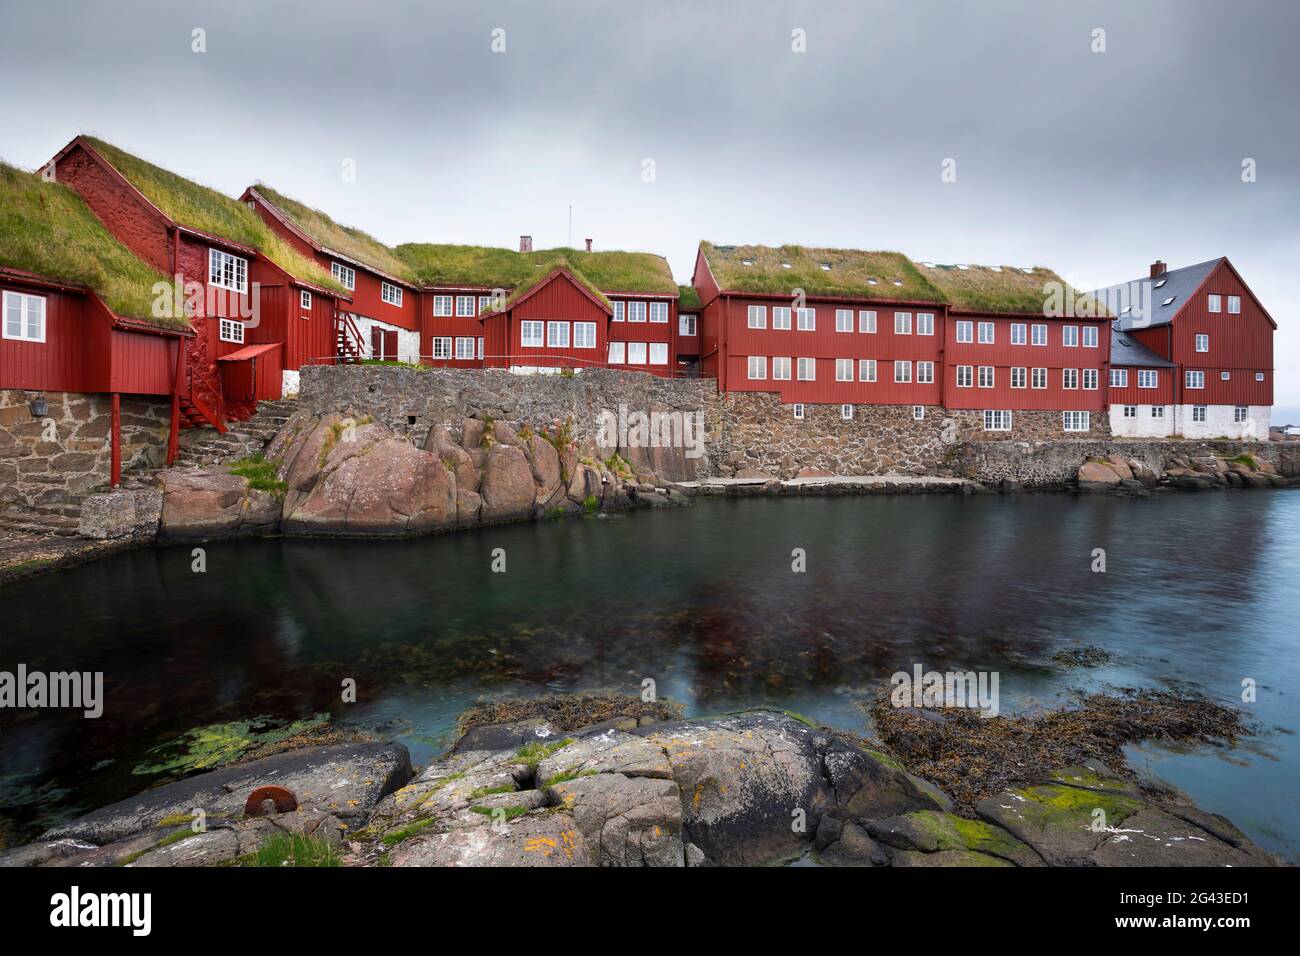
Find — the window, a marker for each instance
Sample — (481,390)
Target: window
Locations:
(965,331)
(843,320)
(843,370)
(685,325)
(902,323)
(557,335)
(1214,303)
(1234,305)
(584,335)
(620,311)
(780,317)
(231,272)
(1225,376)
(1070,336)
(1198,413)
(480,348)
(1090,378)
(985,376)
(925,323)
(1075,421)
(1038,378)
(441,305)
(24,317)
(636,311)
(902,371)
(797,409)
(807,319)
(1148,378)
(1119,378)
(1259,376)
(1018,330)
(807,370)
(659,312)
(231,330)
(617,353)
(1130,411)
(530,334)
(925,372)
(846,412)
(465,347)
(346,277)
(391,294)
(758,316)
(1157,411)
(635,353)
(465,305)
(304,300)
(1240,413)
(658,353)
(1019,377)
(442,347)
(1090,336)
(484,303)
(757,367)
(1202,342)
(986,333)
(867,321)
(997,420)
(1069,378)
(781,368)
(1195,380)
(1038,334)
(918,412)
(866,370)
(965,375)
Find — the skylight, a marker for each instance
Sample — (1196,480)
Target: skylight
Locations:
(746,262)
(1169,300)
(963,268)
(826,267)
(871,282)
(1027,272)
(898,282)
(995,268)
(1161,282)
(785,265)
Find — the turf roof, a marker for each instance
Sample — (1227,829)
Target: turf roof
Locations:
(830,272)
(47,229)
(687,298)
(996,288)
(202,208)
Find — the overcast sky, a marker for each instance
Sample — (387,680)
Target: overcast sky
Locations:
(1091,163)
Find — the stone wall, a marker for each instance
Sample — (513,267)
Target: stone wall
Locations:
(53,462)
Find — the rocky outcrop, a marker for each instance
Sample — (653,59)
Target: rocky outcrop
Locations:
(199,504)
(133,513)
(1185,472)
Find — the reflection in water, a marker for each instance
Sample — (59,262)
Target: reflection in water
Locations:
(1199,589)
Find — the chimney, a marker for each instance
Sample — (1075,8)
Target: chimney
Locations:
(1158,268)
(525,243)
(589,245)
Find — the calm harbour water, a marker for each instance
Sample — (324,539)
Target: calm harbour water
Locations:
(1200,590)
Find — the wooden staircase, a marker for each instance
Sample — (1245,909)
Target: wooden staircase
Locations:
(206,446)
(349,346)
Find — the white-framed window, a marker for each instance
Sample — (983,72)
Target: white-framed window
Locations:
(918,412)
(757,317)
(557,335)
(1234,305)
(781,368)
(658,353)
(1202,342)
(986,376)
(986,333)
(843,320)
(1195,379)
(231,330)
(1019,377)
(484,303)
(1069,378)
(1090,378)
(635,353)
(1038,378)
(1130,411)
(1038,334)
(780,317)
(228,272)
(797,410)
(846,413)
(925,373)
(806,319)
(807,370)
(1259,376)
(659,312)
(465,305)
(965,376)
(620,311)
(866,370)
(617,353)
(1018,332)
(965,330)
(902,371)
(1076,421)
(685,325)
(304,300)
(925,323)
(1090,336)
(442,305)
(442,346)
(1214,303)
(1148,378)
(867,321)
(1198,413)
(346,276)
(24,317)
(843,370)
(636,311)
(1070,336)
(1225,376)
(480,348)
(530,333)
(465,345)
(902,323)
(392,294)
(584,335)
(1240,413)
(1157,411)
(997,420)
(1119,378)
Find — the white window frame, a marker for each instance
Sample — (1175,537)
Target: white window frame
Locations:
(965,376)
(442,306)
(465,348)
(846,412)
(1119,378)
(584,335)
(636,312)
(997,420)
(440,347)
(781,317)
(1225,376)
(797,410)
(918,413)
(227,271)
(924,373)
(867,321)
(1038,377)
(781,368)
(557,334)
(1157,411)
(1130,411)
(1202,342)
(843,320)
(1038,334)
(756,368)
(1240,413)
(1213,302)
(806,319)
(346,276)
(925,323)
(806,363)
(1194,380)
(1259,376)
(26,305)
(484,302)
(231,330)
(1234,305)
(756,317)
(532,334)
(1090,379)
(1076,421)
(620,311)
(844,370)
(986,377)
(902,371)
(1148,378)
(965,331)
(480,348)
(686,325)
(304,300)
(636,353)
(986,333)
(465,306)
(1070,336)
(1019,376)
(1200,414)
(392,294)
(866,370)
(659,313)
(1019,333)
(1069,378)
(902,323)
(1088,336)
(617,353)
(658,353)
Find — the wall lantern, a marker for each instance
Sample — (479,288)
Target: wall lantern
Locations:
(38,406)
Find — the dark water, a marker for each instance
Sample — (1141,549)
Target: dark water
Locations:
(1199,590)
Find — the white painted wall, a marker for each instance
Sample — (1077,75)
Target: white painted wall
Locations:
(289,382)
(1145,425)
(1219,422)
(408,342)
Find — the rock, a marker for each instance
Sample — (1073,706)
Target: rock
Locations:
(471,433)
(1096,476)
(210,848)
(853,848)
(626,821)
(810,472)
(929,831)
(199,504)
(545,462)
(947,858)
(753,473)
(449,453)
(695,856)
(507,487)
(535,839)
(1120,466)
(610,751)
(1010,486)
(121,514)
(828,831)
(1153,837)
(585,483)
(1143,474)
(510,736)
(1063,824)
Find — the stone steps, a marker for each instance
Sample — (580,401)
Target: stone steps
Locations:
(207,446)
(36,522)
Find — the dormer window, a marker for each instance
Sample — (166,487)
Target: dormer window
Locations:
(391,294)
(227,272)
(346,277)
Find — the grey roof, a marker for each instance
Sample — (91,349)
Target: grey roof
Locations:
(1126,350)
(1176,284)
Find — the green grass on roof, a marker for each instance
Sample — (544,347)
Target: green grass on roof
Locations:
(781,270)
(995,289)
(687,298)
(210,211)
(46,228)
(347,240)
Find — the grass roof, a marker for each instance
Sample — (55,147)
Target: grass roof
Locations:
(438,264)
(47,229)
(687,298)
(203,208)
(349,241)
(831,272)
(995,288)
